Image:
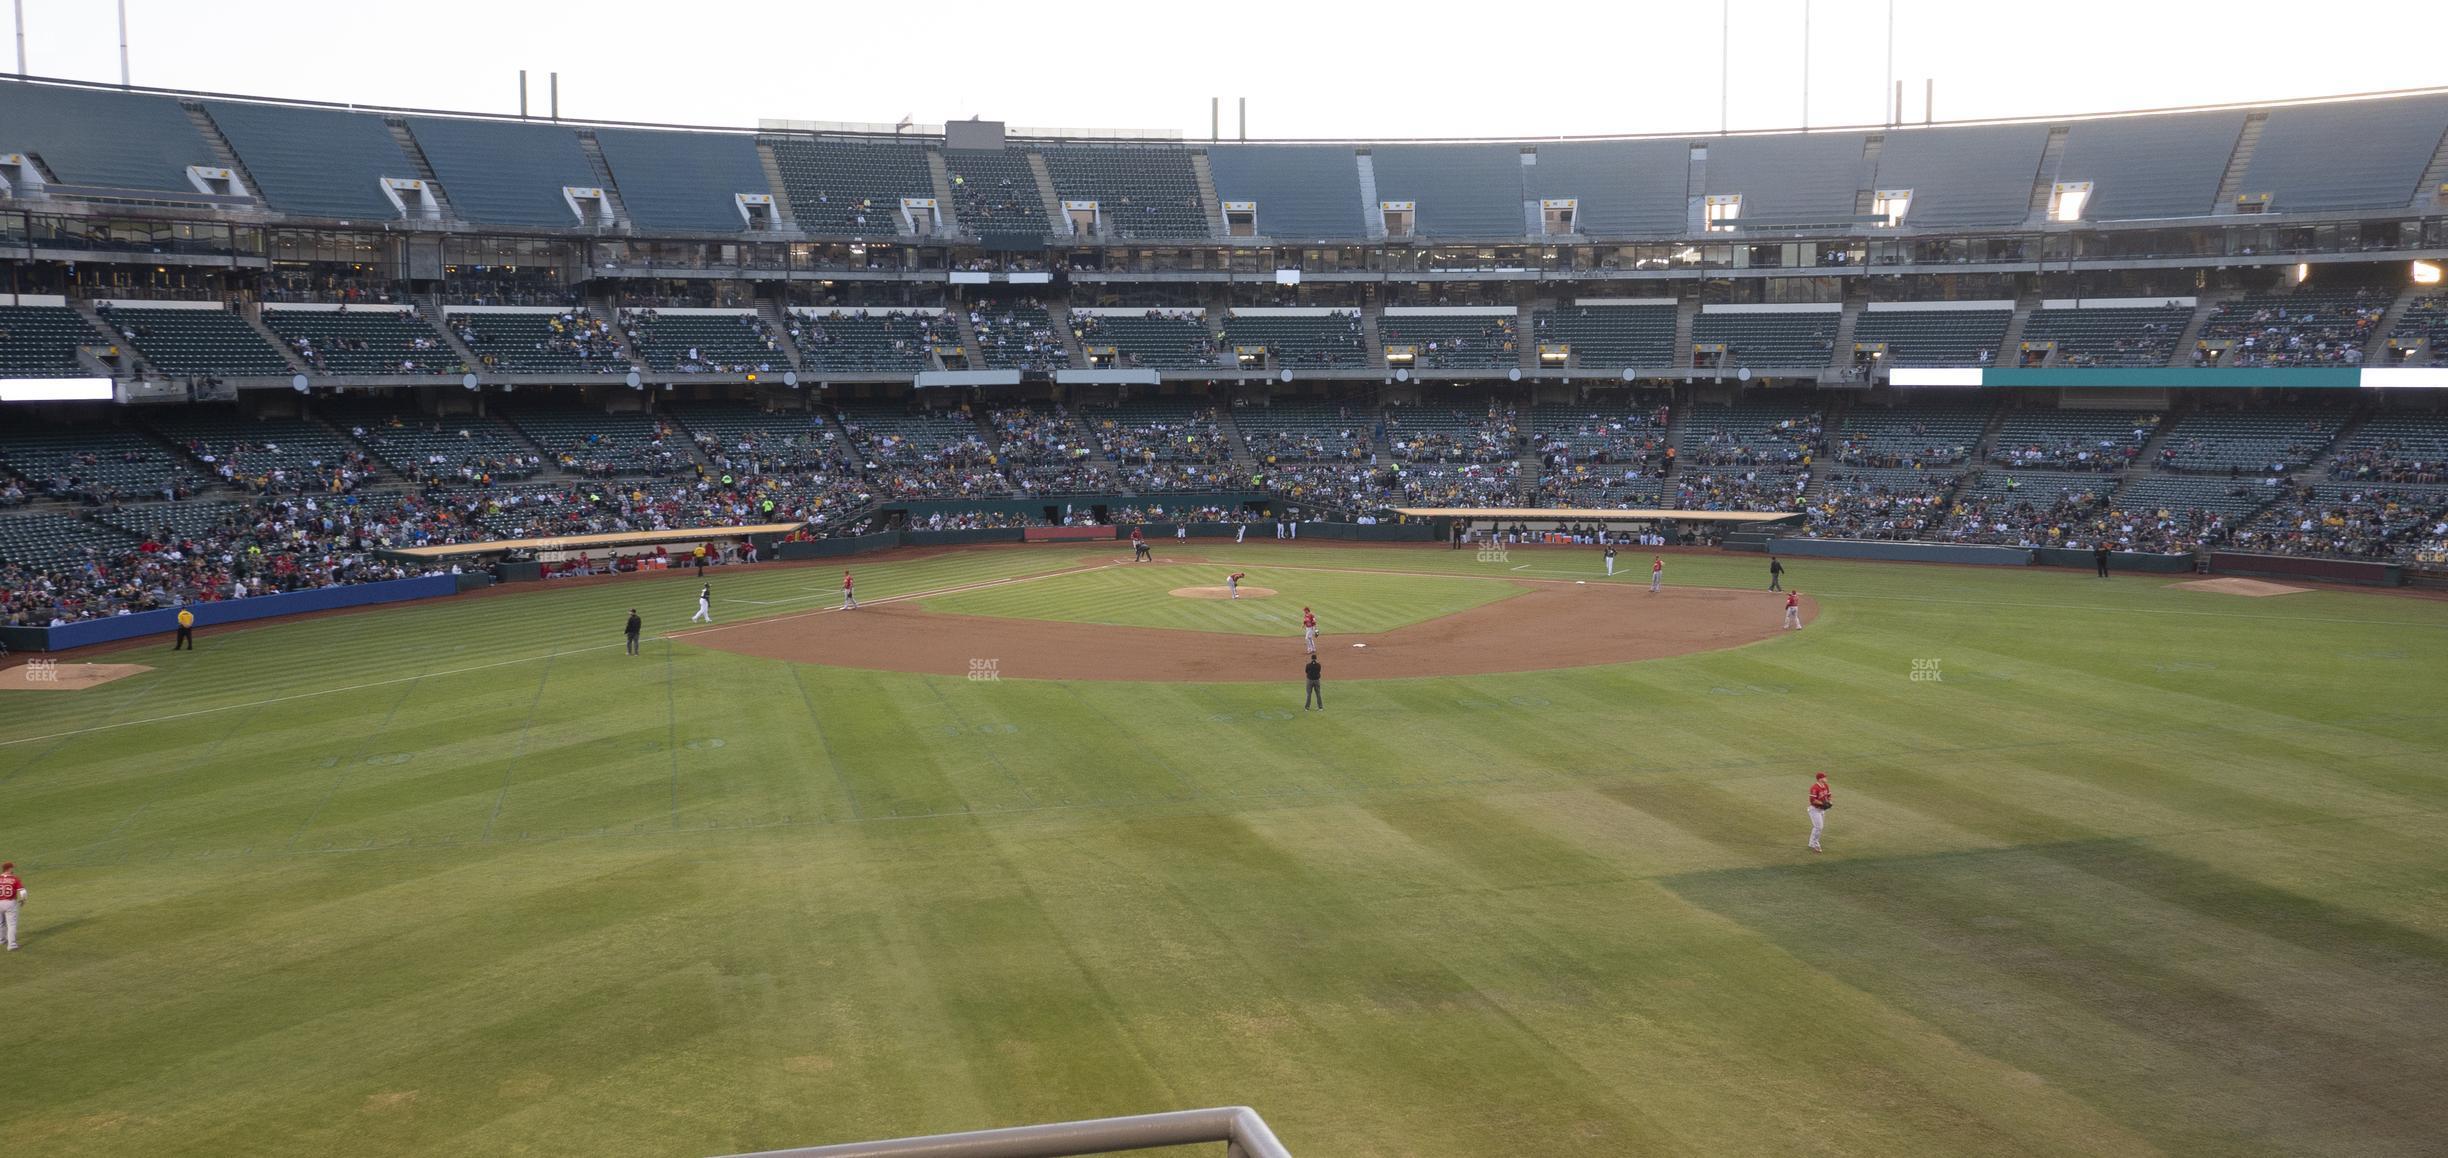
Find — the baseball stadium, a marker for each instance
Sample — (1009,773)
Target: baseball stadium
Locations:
(541,636)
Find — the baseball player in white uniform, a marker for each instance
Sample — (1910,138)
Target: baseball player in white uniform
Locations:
(705,604)
(1610,558)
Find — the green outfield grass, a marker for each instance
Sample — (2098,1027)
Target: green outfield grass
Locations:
(2145,870)
(1139,595)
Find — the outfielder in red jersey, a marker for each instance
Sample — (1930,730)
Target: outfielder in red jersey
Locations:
(849,593)
(1821,799)
(12,897)
(1232,584)
(1657,573)
(1793,611)
(1309,629)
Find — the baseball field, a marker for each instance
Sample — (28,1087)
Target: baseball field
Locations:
(2117,867)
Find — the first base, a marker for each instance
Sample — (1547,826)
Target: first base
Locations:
(1359,645)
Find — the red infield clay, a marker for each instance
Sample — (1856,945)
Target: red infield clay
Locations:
(1550,625)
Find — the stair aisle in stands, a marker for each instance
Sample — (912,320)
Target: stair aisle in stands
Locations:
(772,312)
(2375,352)
(252,314)
(1205,172)
(424,169)
(2203,307)
(593,149)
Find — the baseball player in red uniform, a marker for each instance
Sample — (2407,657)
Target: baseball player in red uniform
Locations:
(849,593)
(12,897)
(1309,629)
(1232,584)
(1793,611)
(1139,546)
(1821,799)
(1657,573)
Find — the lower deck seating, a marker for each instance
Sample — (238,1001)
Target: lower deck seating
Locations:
(2248,441)
(1294,431)
(364,341)
(549,342)
(465,448)
(96,464)
(280,455)
(1771,341)
(890,341)
(2027,508)
(47,540)
(725,343)
(1612,337)
(2309,327)
(1779,435)
(1879,502)
(2110,336)
(42,341)
(1324,341)
(1909,436)
(1935,337)
(2426,317)
(2072,439)
(2354,520)
(750,439)
(1468,428)
(1452,341)
(1017,335)
(591,440)
(2406,447)
(194,342)
(1157,339)
(1159,431)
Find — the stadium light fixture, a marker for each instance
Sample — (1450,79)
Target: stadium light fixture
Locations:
(2426,273)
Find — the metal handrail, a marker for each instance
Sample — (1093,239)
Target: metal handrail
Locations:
(1243,1132)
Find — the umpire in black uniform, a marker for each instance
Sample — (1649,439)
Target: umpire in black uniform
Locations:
(1316,698)
(631,631)
(2099,555)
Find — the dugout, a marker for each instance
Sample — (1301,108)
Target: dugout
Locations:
(518,560)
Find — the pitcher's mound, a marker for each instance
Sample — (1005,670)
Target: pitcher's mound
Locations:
(45,676)
(2254,587)
(1247,592)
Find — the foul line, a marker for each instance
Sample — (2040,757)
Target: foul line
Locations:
(522,659)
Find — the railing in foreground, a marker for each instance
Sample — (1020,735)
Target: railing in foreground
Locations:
(1243,1132)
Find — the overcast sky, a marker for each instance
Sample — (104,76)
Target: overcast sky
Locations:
(1309,69)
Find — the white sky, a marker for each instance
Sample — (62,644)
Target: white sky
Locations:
(1310,69)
